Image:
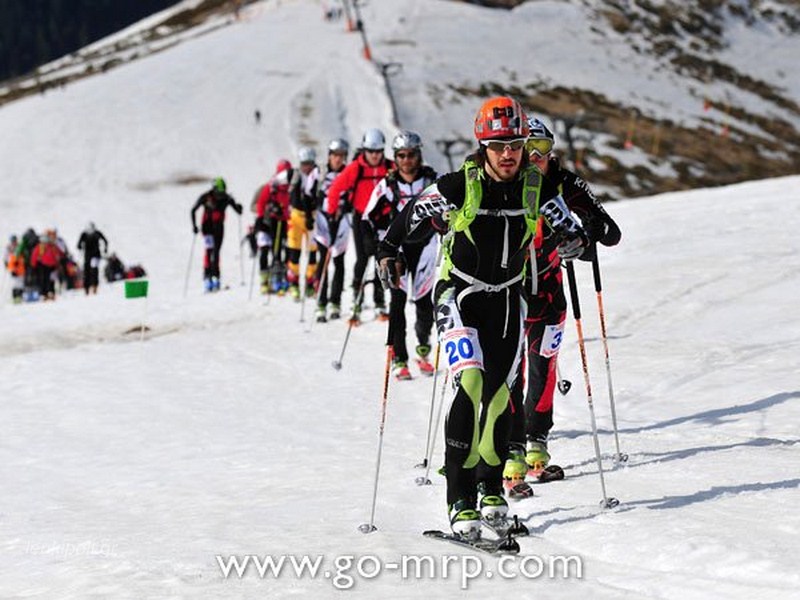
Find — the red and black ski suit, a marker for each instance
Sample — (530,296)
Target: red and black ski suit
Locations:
(547,307)
(352,190)
(212,226)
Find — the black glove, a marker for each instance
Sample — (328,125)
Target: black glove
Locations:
(595,228)
(390,270)
(237,208)
(309,221)
(195,229)
(572,248)
(572,239)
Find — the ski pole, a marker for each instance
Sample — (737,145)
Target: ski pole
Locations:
(424,462)
(323,281)
(276,247)
(598,287)
(337,364)
(241,258)
(189,267)
(576,312)
(253,274)
(370,527)
(303,250)
(424,479)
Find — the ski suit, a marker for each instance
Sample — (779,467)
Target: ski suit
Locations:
(547,307)
(212,226)
(352,189)
(89,242)
(418,253)
(331,235)
(303,203)
(479,307)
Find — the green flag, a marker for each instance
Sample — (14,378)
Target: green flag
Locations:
(136,288)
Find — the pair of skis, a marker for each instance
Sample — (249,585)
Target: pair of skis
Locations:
(506,530)
(524,489)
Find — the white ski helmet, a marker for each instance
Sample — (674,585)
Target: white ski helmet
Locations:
(539,130)
(406,140)
(339,145)
(307,154)
(373,139)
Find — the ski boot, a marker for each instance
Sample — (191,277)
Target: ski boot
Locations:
(294,292)
(400,370)
(493,507)
(464,519)
(321,318)
(335,313)
(355,318)
(537,457)
(425,366)
(264,275)
(515,469)
(311,288)
(380,312)
(208,285)
(215,284)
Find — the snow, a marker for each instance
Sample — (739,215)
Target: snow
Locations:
(129,466)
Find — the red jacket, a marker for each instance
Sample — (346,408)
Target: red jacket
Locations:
(275,193)
(356,183)
(46,253)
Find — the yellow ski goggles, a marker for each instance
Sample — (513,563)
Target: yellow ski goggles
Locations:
(541,146)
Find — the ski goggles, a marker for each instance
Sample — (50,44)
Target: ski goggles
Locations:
(500,146)
(541,146)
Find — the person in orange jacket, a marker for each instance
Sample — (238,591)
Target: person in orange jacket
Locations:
(45,258)
(351,190)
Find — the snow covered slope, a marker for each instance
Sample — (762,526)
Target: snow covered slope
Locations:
(128,467)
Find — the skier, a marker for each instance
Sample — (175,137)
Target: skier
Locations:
(331,236)
(355,184)
(303,200)
(45,259)
(416,256)
(15,265)
(24,251)
(271,205)
(547,308)
(212,225)
(89,242)
(492,205)
(114,269)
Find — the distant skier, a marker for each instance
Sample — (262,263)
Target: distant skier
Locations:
(90,242)
(303,201)
(351,191)
(417,254)
(214,203)
(15,265)
(332,235)
(271,205)
(45,260)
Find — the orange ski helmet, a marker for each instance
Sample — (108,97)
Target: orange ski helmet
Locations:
(501,117)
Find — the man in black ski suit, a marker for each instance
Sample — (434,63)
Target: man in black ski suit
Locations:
(89,242)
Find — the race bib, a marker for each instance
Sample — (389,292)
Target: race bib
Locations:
(462,349)
(551,340)
(94,262)
(208,241)
(262,239)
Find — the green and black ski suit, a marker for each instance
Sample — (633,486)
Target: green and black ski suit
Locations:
(479,307)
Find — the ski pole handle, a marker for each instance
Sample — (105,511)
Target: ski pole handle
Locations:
(598,285)
(573,291)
